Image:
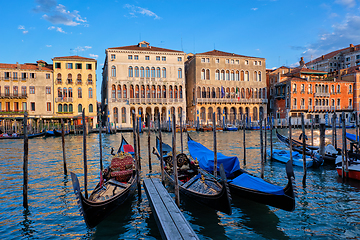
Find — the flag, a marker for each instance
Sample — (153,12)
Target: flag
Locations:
(222,92)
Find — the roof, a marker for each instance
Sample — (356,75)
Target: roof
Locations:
(149,48)
(222,54)
(306,70)
(73,58)
(27,66)
(331,54)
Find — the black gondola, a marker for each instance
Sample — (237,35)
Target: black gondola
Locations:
(55,133)
(330,152)
(34,135)
(244,184)
(108,194)
(195,182)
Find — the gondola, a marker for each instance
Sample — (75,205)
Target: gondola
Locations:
(54,133)
(114,188)
(297,158)
(330,152)
(244,184)
(34,135)
(195,182)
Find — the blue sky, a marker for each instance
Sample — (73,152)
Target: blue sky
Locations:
(279,30)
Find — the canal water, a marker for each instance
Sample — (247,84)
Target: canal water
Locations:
(326,207)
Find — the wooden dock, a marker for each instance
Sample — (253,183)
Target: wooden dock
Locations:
(171,222)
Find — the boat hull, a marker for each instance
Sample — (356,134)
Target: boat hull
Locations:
(353,174)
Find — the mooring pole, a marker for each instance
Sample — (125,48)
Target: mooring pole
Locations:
(333,129)
(134,120)
(100,144)
(303,148)
(345,173)
(25,164)
(322,139)
(244,144)
(271,136)
(177,197)
(215,148)
(357,129)
(312,130)
(84,150)
(290,139)
(335,134)
(181,133)
(138,126)
(161,151)
(63,145)
(149,150)
(265,137)
(261,145)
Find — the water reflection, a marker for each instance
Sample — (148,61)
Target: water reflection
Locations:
(26,225)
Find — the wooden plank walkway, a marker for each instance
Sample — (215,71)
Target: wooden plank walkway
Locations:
(170,220)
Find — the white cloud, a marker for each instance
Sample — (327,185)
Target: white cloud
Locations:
(346,3)
(25,32)
(134,10)
(58,29)
(48,45)
(57,13)
(254,9)
(81,49)
(341,36)
(93,55)
(21,27)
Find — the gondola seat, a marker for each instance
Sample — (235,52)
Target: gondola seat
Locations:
(121,167)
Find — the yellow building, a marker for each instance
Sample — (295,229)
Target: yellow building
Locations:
(75,87)
(225,83)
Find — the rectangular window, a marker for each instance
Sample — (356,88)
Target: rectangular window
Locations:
(348,59)
(147,57)
(157,58)
(15,76)
(48,106)
(58,65)
(69,66)
(48,76)
(207,60)
(357,56)
(163,58)
(7,75)
(217,60)
(260,63)
(129,57)
(78,66)
(23,90)
(32,75)
(23,76)
(48,90)
(136,57)
(203,60)
(227,61)
(179,59)
(15,90)
(7,90)
(246,62)
(88,66)
(32,106)
(32,90)
(113,56)
(237,61)
(24,106)
(232,61)
(16,106)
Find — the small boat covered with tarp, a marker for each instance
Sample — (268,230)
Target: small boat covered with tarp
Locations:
(297,158)
(195,182)
(244,184)
(117,184)
(330,152)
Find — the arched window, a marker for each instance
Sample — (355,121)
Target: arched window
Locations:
(71,108)
(158,75)
(119,91)
(247,76)
(59,92)
(147,72)
(171,91)
(338,88)
(116,114)
(158,91)
(123,115)
(217,74)
(142,91)
(65,92)
(70,92)
(60,108)
(202,74)
(65,108)
(147,91)
(136,72)
(255,76)
(79,108)
(131,71)
(222,75)
(350,88)
(90,93)
(153,91)
(227,76)
(124,92)
(164,92)
(179,73)
(69,79)
(332,89)
(91,109)
(180,92)
(58,79)
(259,76)
(113,92)
(164,72)
(137,91)
(237,76)
(175,92)
(78,79)
(242,76)
(89,80)
(79,93)
(142,73)
(152,72)
(232,76)
(113,71)
(207,74)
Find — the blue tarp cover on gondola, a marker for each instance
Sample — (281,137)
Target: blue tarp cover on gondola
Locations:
(247,181)
(206,158)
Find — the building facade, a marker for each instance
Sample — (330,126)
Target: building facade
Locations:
(145,79)
(75,87)
(336,60)
(309,92)
(225,83)
(26,87)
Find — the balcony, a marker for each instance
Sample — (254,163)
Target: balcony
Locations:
(78,82)
(230,100)
(64,99)
(302,107)
(13,96)
(322,108)
(65,112)
(321,94)
(69,81)
(153,100)
(89,82)
(58,81)
(11,112)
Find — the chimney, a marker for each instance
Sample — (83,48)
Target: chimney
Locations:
(301,62)
(351,45)
(352,48)
(17,65)
(322,57)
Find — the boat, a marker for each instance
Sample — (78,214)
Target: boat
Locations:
(297,158)
(330,152)
(351,137)
(55,133)
(242,183)
(218,128)
(114,188)
(34,135)
(206,128)
(195,182)
(190,129)
(353,166)
(231,127)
